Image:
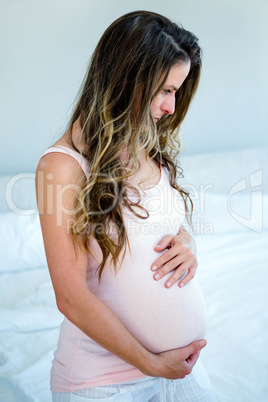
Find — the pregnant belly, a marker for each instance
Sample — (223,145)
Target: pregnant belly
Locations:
(164,319)
(160,319)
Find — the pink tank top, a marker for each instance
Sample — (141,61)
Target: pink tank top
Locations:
(159,318)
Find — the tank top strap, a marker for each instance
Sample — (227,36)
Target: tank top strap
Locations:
(68,151)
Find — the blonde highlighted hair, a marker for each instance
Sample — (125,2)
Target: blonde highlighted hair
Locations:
(114,110)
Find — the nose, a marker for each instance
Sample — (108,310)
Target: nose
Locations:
(168,106)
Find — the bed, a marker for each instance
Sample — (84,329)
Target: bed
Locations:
(230,195)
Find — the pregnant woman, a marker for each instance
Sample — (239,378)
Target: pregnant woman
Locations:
(111,214)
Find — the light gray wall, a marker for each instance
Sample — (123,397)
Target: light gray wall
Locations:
(46,46)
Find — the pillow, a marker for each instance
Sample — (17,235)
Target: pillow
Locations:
(217,213)
(21,242)
(221,171)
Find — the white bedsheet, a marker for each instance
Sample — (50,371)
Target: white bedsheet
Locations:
(233,274)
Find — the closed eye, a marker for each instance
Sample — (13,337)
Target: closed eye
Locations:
(166,91)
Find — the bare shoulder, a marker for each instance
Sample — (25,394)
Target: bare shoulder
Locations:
(59,180)
(61,168)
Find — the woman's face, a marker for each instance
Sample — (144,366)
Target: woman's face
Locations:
(164,102)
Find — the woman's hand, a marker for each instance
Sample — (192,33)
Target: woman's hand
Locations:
(178,363)
(180,258)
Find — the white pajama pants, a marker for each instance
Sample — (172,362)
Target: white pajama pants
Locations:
(195,387)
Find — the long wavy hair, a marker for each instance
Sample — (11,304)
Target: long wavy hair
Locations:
(128,68)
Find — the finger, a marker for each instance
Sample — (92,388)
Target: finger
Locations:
(171,265)
(194,347)
(184,273)
(174,251)
(189,266)
(189,276)
(177,272)
(181,267)
(192,359)
(164,243)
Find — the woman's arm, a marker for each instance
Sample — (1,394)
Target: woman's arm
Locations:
(58,180)
(180,257)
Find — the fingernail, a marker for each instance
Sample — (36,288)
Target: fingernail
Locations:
(157,276)
(202,343)
(154,268)
(158,245)
(168,284)
(181,285)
